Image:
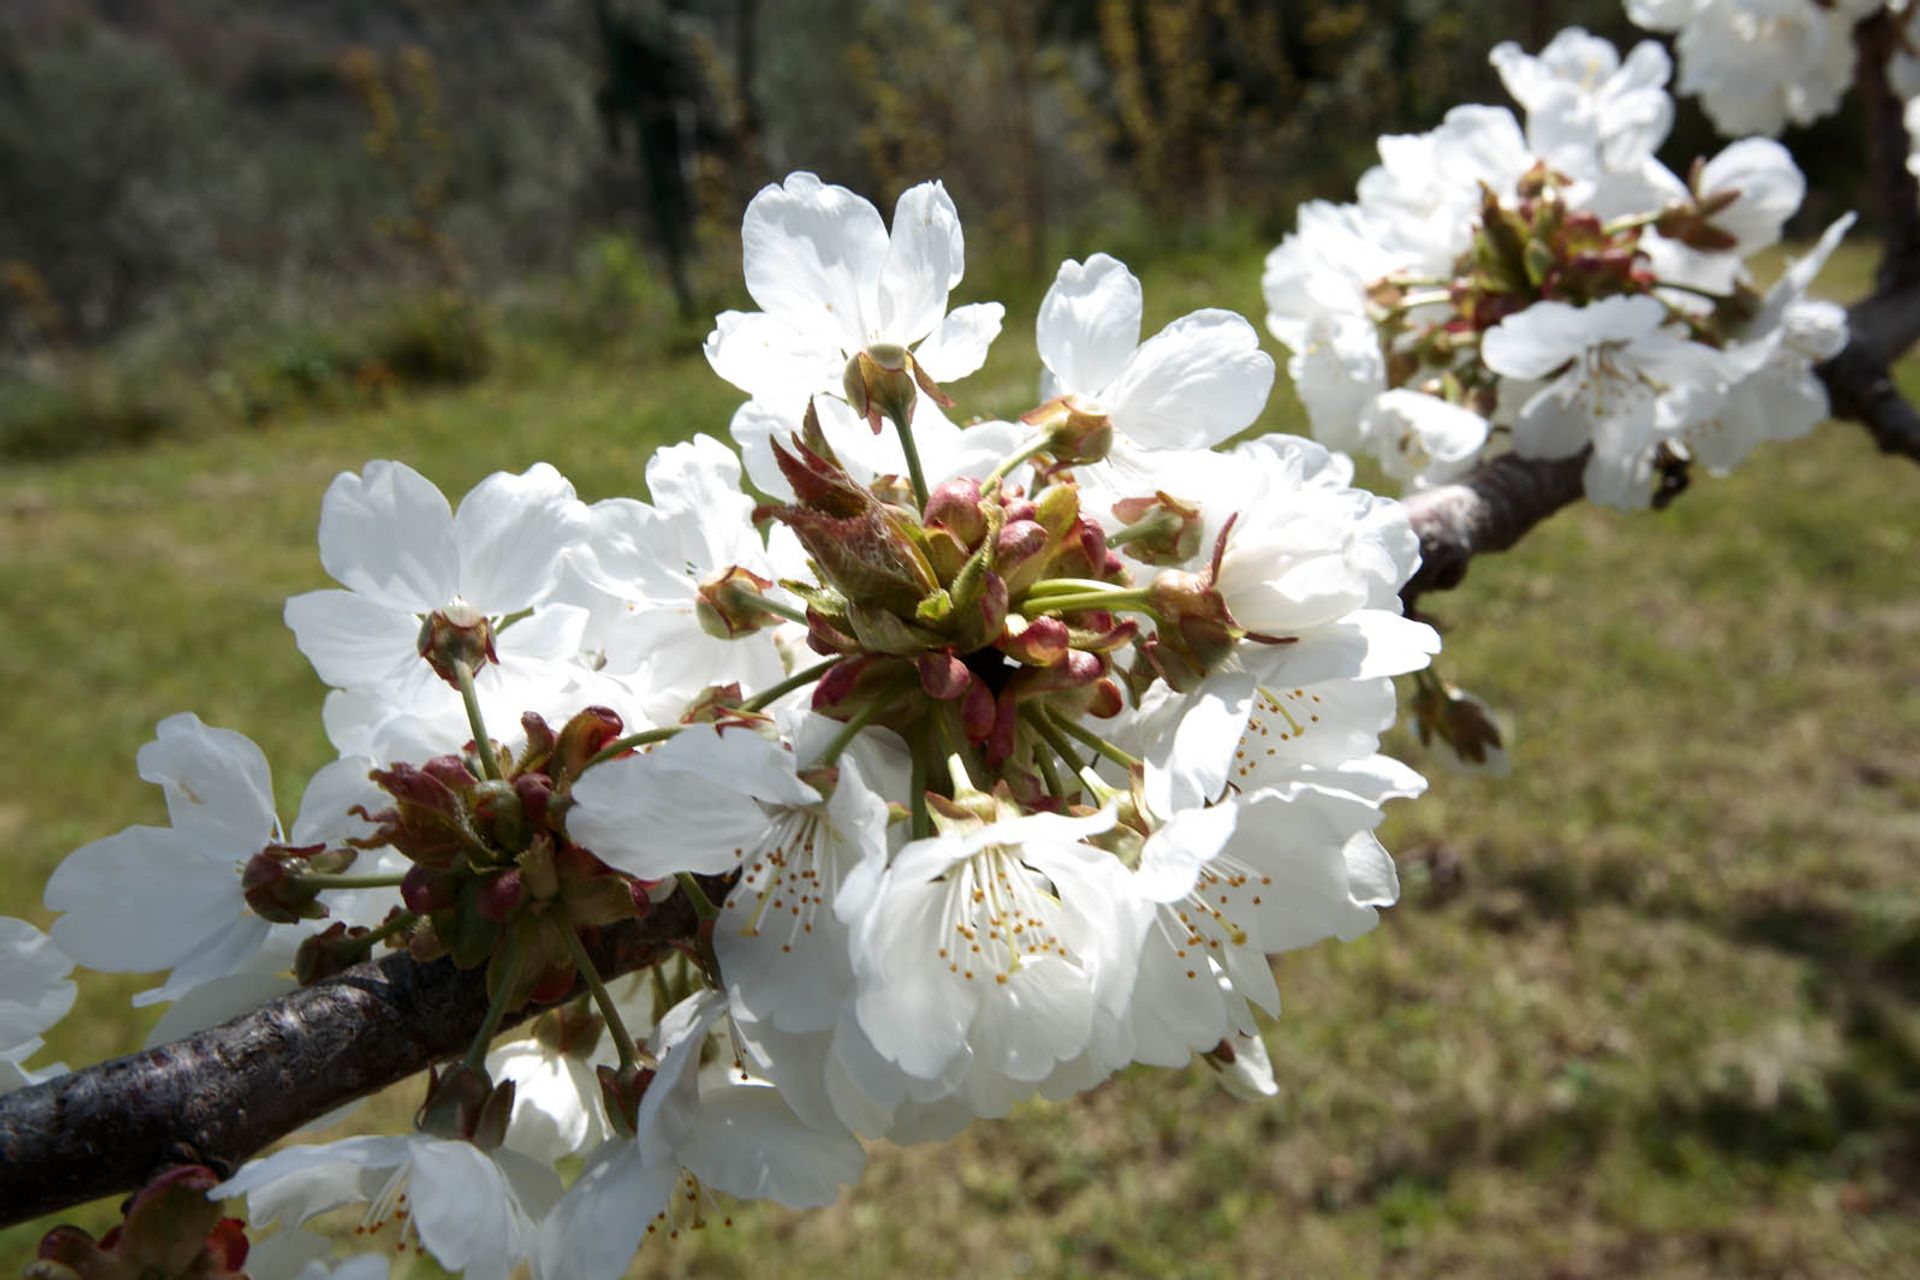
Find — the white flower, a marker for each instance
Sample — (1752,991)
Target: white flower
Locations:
(831,282)
(1198,381)
(712,801)
(1233,884)
(1337,369)
(1422,439)
(1620,380)
(34,994)
(170,897)
(1323,269)
(1775,393)
(474,1211)
(993,947)
(1770,187)
(640,570)
(557,1109)
(389,537)
(1759,65)
(703,1122)
(1587,112)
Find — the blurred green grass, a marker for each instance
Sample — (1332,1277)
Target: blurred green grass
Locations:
(1649,1007)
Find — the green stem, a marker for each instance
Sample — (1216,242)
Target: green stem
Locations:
(1037,721)
(481,742)
(1069,602)
(1075,729)
(946,720)
(702,904)
(922,823)
(319,880)
(1070,586)
(1420,299)
(914,473)
(767,696)
(860,720)
(583,964)
(1037,445)
(476,1059)
(780,610)
(1043,757)
(1693,289)
(620,746)
(1630,222)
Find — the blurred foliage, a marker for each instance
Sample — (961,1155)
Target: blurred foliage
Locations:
(218,212)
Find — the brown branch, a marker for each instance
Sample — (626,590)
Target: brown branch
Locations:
(220,1096)
(1489,509)
(1876,41)
(1882,326)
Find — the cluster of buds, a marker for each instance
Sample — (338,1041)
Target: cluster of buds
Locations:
(169,1230)
(1537,247)
(494,878)
(938,615)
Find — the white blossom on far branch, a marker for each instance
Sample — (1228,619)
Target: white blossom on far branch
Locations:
(1554,289)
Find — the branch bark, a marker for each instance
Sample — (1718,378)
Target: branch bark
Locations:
(1490,509)
(222,1095)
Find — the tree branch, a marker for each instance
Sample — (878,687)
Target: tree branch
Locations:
(220,1096)
(1489,509)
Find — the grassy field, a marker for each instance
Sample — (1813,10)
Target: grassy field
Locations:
(1649,1007)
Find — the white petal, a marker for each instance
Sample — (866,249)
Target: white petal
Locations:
(750,1144)
(354,641)
(770,360)
(958,347)
(34,992)
(218,786)
(388,534)
(1089,323)
(330,793)
(144,899)
(511,531)
(813,255)
(925,259)
(593,1232)
(1198,381)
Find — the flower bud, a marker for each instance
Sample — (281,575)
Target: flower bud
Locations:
(1039,643)
(728,607)
(497,807)
(276,891)
(456,635)
(621,1089)
(454,1102)
(580,739)
(169,1230)
(879,383)
(1462,724)
(1019,553)
(955,507)
(500,895)
(1160,530)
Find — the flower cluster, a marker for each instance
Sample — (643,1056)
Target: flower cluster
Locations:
(1554,288)
(991,759)
(1760,65)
